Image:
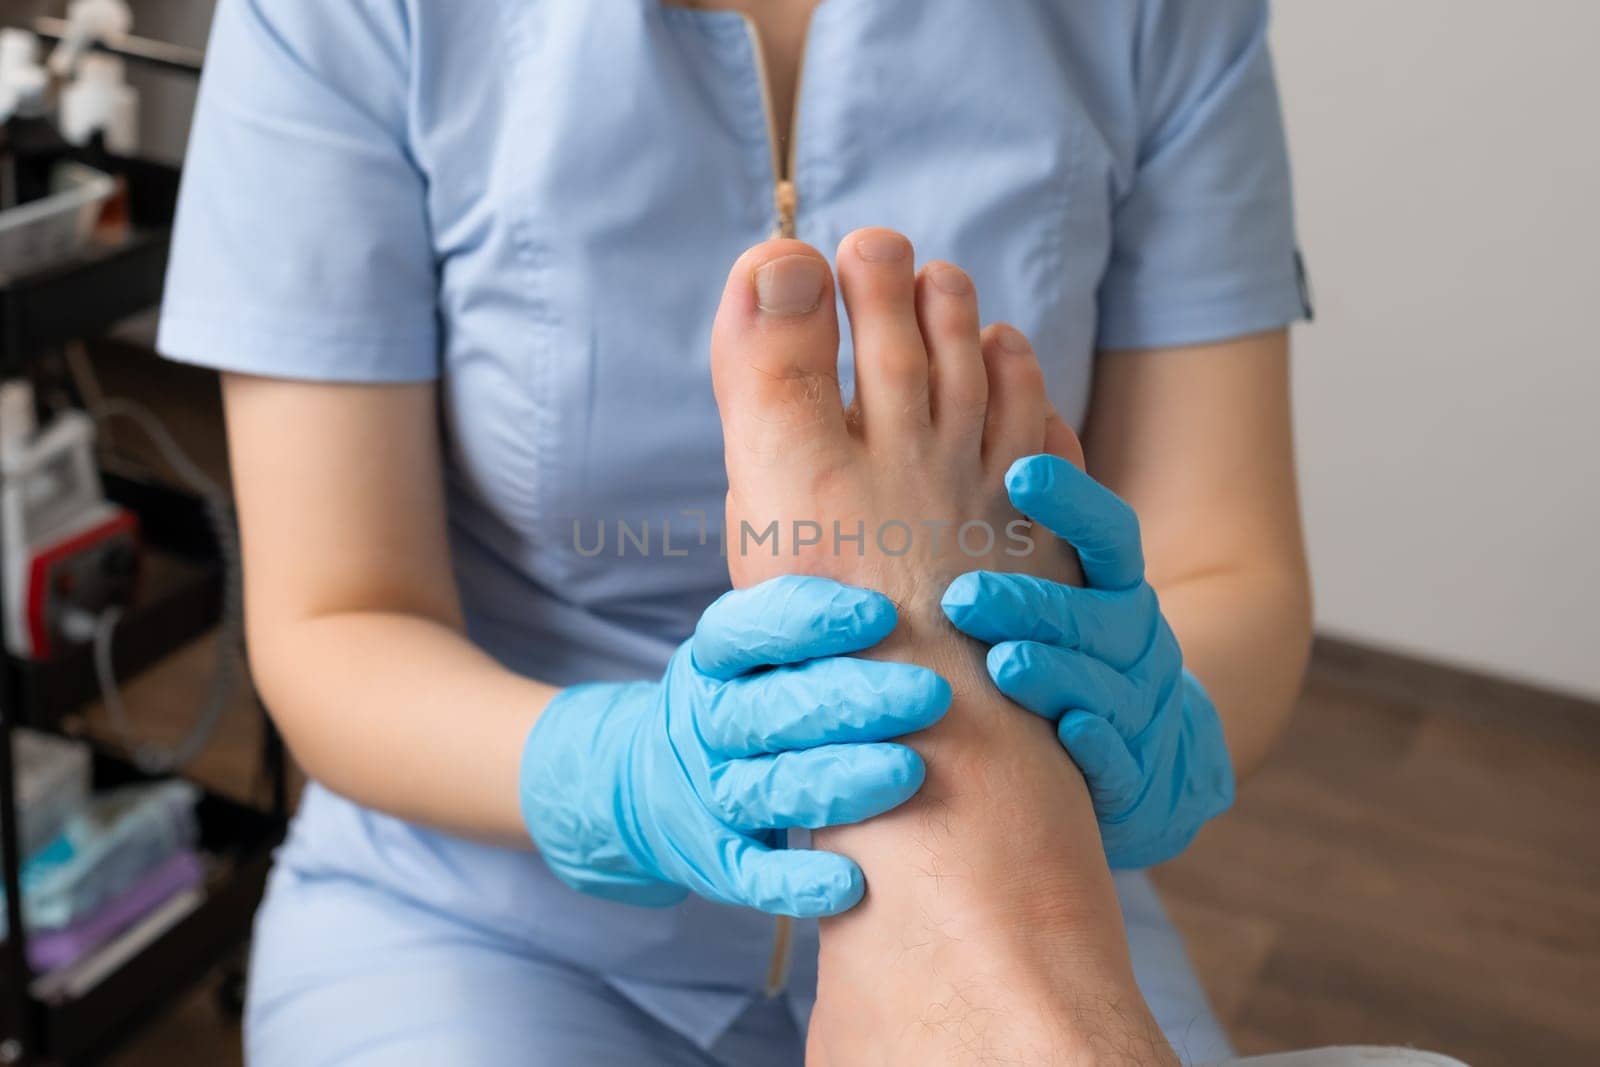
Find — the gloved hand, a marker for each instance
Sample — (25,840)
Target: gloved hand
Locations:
(1104,665)
(640,792)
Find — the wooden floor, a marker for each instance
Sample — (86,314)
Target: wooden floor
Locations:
(1403,874)
(1407,870)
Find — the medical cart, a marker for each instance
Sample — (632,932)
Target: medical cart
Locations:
(43,1021)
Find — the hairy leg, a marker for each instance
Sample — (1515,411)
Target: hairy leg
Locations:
(990,931)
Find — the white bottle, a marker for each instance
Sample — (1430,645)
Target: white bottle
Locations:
(89,21)
(23,81)
(101,99)
(16,417)
(18,49)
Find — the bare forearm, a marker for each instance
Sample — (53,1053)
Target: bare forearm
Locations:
(404,715)
(1246,634)
(1199,440)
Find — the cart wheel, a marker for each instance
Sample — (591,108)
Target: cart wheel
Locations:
(230,989)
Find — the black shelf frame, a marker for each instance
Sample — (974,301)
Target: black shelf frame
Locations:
(82,298)
(78,300)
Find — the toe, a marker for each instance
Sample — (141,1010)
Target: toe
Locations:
(875,271)
(775,343)
(947,309)
(1061,439)
(1015,417)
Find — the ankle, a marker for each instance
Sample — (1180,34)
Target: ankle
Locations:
(960,1008)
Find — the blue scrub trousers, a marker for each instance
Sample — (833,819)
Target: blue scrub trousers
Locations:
(348,973)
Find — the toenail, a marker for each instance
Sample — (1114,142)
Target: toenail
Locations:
(948,279)
(881,246)
(1011,340)
(790,285)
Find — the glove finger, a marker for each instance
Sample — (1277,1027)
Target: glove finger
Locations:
(1109,769)
(823,702)
(1051,681)
(993,607)
(828,786)
(788,620)
(804,883)
(1097,523)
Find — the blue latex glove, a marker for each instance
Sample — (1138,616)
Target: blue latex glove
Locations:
(641,792)
(1104,665)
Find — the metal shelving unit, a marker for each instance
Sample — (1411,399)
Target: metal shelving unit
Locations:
(76,300)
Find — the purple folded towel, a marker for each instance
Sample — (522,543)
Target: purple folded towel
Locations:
(50,949)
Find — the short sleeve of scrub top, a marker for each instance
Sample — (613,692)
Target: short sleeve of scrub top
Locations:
(302,246)
(1203,243)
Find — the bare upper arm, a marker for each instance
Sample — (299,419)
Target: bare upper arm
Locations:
(1199,440)
(341,500)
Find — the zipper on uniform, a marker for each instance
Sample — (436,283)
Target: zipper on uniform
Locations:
(782,949)
(785,197)
(785,204)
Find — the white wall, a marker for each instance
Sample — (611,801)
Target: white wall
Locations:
(1447,155)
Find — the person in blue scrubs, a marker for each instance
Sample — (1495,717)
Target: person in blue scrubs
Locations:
(458,262)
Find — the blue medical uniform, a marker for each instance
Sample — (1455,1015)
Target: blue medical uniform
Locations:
(535,203)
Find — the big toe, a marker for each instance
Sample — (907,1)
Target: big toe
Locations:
(775,344)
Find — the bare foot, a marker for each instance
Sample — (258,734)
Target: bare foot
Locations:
(990,931)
